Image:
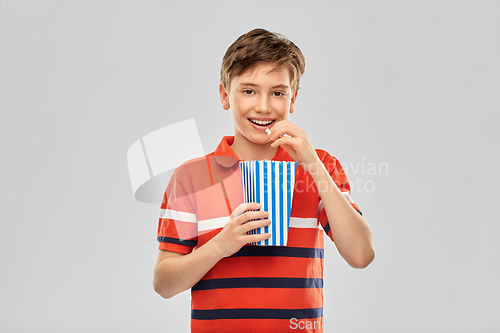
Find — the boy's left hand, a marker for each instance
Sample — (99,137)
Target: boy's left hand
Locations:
(296,144)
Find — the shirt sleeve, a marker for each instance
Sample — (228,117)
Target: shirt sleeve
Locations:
(178,224)
(338,175)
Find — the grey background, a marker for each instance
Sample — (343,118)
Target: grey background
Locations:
(412,86)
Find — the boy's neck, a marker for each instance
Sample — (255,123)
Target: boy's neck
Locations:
(247,150)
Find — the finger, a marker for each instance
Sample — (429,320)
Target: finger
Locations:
(254,238)
(256,224)
(286,132)
(286,140)
(280,130)
(242,208)
(252,215)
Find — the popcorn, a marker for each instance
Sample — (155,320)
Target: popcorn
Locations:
(268,131)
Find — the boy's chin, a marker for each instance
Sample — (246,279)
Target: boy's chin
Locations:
(258,141)
(261,141)
(257,138)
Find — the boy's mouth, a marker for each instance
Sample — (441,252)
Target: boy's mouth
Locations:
(261,122)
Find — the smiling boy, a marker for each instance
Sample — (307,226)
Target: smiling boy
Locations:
(203,225)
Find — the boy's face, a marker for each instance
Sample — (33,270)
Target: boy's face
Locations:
(259,95)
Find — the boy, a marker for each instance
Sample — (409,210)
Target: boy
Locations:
(236,287)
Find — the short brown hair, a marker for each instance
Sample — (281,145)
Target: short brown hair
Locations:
(261,46)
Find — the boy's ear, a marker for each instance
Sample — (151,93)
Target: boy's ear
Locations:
(292,104)
(224,97)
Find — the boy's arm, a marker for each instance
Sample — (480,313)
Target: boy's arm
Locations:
(175,272)
(350,231)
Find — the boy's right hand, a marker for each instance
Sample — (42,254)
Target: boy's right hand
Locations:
(234,234)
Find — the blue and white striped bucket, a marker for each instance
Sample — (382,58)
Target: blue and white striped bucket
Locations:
(271,184)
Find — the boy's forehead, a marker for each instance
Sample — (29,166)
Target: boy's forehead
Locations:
(263,74)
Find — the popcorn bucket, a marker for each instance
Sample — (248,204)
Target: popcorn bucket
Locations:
(271,184)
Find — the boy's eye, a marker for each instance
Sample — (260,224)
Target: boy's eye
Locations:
(278,94)
(247,92)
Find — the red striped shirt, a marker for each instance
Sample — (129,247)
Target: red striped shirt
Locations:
(258,289)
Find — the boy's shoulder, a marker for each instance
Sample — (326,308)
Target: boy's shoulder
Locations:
(185,174)
(327,158)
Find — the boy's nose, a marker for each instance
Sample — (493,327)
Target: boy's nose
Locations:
(263,105)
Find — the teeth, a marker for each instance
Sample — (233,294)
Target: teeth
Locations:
(266,122)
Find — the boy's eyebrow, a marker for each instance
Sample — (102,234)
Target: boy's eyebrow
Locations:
(282,86)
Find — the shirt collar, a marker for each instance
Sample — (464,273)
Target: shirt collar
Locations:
(225,156)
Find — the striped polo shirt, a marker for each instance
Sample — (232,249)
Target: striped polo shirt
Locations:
(259,288)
